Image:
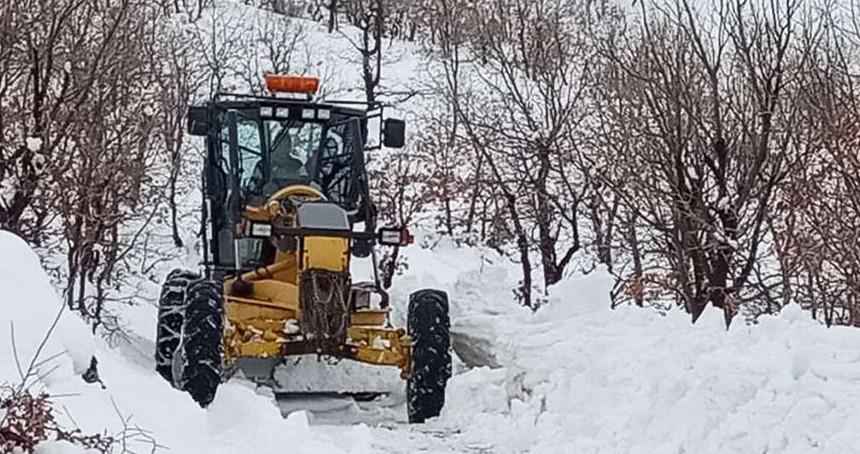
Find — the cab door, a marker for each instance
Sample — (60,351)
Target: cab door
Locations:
(233,158)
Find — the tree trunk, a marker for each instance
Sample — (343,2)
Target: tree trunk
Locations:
(177,239)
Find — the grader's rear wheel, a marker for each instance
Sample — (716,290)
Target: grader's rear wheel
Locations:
(429,327)
(171,306)
(198,367)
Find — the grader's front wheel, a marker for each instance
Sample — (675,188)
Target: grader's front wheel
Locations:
(171,307)
(429,326)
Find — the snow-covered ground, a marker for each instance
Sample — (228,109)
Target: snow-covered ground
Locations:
(579,377)
(241,420)
(574,377)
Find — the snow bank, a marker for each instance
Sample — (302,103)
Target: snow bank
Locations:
(582,378)
(240,419)
(28,308)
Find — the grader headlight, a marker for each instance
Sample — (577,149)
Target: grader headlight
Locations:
(260,229)
(395,237)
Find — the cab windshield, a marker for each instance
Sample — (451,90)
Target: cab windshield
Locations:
(286,154)
(272,153)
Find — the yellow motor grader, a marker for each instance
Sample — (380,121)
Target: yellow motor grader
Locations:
(286,208)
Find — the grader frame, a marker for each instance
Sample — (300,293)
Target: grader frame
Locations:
(258,322)
(263,302)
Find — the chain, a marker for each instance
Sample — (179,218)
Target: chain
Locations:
(325,314)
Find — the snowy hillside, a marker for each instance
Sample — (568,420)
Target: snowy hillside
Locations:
(573,376)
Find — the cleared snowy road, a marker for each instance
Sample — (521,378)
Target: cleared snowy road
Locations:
(384,420)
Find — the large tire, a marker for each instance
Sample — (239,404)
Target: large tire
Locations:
(171,305)
(429,326)
(199,366)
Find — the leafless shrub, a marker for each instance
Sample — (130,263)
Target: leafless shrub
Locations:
(215,45)
(523,118)
(29,420)
(193,9)
(179,78)
(399,188)
(274,44)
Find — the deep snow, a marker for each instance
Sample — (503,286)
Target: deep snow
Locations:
(576,377)
(582,378)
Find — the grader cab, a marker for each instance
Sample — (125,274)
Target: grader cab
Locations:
(286,208)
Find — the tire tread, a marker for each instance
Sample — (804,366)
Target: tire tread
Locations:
(429,325)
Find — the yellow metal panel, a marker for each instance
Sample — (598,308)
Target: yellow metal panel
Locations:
(282,294)
(272,294)
(396,352)
(287,274)
(259,324)
(288,269)
(372,317)
(284,269)
(378,356)
(359,334)
(401,358)
(326,253)
(258,350)
(243,309)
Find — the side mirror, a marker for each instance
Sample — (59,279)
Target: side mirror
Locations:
(198,121)
(394,133)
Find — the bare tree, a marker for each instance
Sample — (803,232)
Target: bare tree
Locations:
(78,127)
(274,49)
(715,136)
(534,60)
(44,83)
(107,161)
(193,9)
(457,168)
(399,186)
(215,45)
(178,78)
(369,17)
